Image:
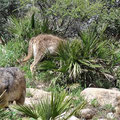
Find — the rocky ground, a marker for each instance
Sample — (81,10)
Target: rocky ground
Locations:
(102,104)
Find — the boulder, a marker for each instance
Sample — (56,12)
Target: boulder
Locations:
(73,118)
(102,119)
(87,113)
(37,95)
(110,116)
(64,115)
(103,96)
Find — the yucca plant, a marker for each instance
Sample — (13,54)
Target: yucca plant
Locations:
(94,44)
(69,55)
(50,108)
(71,60)
(84,59)
(3,114)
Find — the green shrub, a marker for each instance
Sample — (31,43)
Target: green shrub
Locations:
(75,9)
(11,52)
(7,8)
(87,60)
(24,28)
(3,114)
(111,17)
(61,15)
(80,61)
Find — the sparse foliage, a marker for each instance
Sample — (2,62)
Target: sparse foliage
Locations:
(3,114)
(83,60)
(49,108)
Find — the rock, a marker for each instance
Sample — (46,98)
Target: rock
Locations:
(73,118)
(87,113)
(65,115)
(116,89)
(117,108)
(103,96)
(102,119)
(37,95)
(110,115)
(117,111)
(62,116)
(29,101)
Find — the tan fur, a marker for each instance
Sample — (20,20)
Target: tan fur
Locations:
(12,81)
(41,45)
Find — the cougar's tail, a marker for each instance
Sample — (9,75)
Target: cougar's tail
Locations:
(30,50)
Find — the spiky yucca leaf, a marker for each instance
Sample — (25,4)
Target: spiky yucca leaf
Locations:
(71,60)
(49,108)
(69,54)
(81,58)
(79,107)
(47,65)
(27,110)
(59,104)
(44,109)
(3,114)
(94,45)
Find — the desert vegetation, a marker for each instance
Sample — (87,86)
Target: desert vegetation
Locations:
(90,57)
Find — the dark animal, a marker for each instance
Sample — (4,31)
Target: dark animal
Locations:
(12,86)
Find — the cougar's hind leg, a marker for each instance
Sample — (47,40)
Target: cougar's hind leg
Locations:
(39,56)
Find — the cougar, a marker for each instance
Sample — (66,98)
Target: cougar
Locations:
(39,46)
(12,86)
